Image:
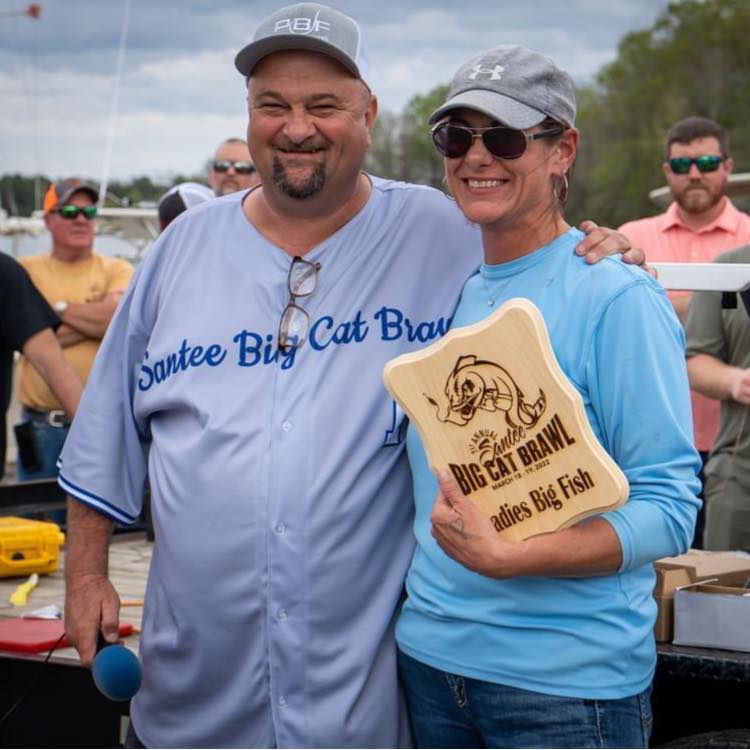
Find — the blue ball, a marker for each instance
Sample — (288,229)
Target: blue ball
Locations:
(117,672)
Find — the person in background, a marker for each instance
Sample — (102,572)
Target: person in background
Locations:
(180,198)
(547,642)
(27,325)
(244,373)
(83,288)
(718,362)
(700,223)
(232,169)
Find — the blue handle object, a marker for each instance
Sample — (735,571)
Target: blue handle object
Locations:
(117,672)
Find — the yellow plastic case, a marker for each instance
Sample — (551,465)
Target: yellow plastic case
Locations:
(28,546)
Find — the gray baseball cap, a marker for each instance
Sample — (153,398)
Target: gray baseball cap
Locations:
(62,191)
(514,85)
(307,26)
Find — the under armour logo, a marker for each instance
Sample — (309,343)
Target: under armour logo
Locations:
(302,25)
(493,73)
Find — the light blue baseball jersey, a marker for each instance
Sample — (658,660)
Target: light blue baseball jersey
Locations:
(617,339)
(281,495)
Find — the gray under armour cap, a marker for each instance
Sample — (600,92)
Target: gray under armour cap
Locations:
(514,85)
(307,26)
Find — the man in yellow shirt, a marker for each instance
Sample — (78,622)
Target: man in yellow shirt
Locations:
(84,288)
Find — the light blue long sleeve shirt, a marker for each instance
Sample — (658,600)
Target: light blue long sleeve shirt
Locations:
(617,339)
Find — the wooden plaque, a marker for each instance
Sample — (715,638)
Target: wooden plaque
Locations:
(494,408)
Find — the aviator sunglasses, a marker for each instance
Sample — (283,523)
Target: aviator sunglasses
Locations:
(682,164)
(454,141)
(241,167)
(69,211)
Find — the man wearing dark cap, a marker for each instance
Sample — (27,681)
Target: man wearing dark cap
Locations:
(83,288)
(244,370)
(180,198)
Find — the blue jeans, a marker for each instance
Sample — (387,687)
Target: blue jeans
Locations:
(49,442)
(447,710)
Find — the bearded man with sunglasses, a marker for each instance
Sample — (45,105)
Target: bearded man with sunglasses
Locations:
(83,288)
(232,169)
(701,223)
(244,368)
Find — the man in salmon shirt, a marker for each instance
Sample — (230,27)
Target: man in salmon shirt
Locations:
(700,224)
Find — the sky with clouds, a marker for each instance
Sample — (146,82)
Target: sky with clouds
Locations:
(180,95)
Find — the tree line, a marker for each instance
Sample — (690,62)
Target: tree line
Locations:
(694,60)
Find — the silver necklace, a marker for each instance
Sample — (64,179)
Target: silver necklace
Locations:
(492,298)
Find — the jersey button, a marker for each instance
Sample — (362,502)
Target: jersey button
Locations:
(286,426)
(282,701)
(281,615)
(280,529)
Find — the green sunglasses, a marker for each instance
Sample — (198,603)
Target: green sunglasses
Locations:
(69,211)
(682,164)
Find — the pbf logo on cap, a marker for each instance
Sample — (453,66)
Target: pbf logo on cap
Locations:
(307,26)
(302,25)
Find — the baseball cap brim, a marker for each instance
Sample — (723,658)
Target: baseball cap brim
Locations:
(248,57)
(499,107)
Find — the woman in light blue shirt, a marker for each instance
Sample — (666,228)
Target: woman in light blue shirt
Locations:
(547,642)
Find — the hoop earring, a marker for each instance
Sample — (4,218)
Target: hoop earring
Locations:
(561,189)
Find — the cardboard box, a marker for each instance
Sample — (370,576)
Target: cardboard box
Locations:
(682,570)
(714,616)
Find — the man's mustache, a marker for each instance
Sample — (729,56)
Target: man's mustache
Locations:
(307,146)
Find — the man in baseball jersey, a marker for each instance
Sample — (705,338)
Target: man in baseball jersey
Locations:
(242,373)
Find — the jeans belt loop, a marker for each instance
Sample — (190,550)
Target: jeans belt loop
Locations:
(57,418)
